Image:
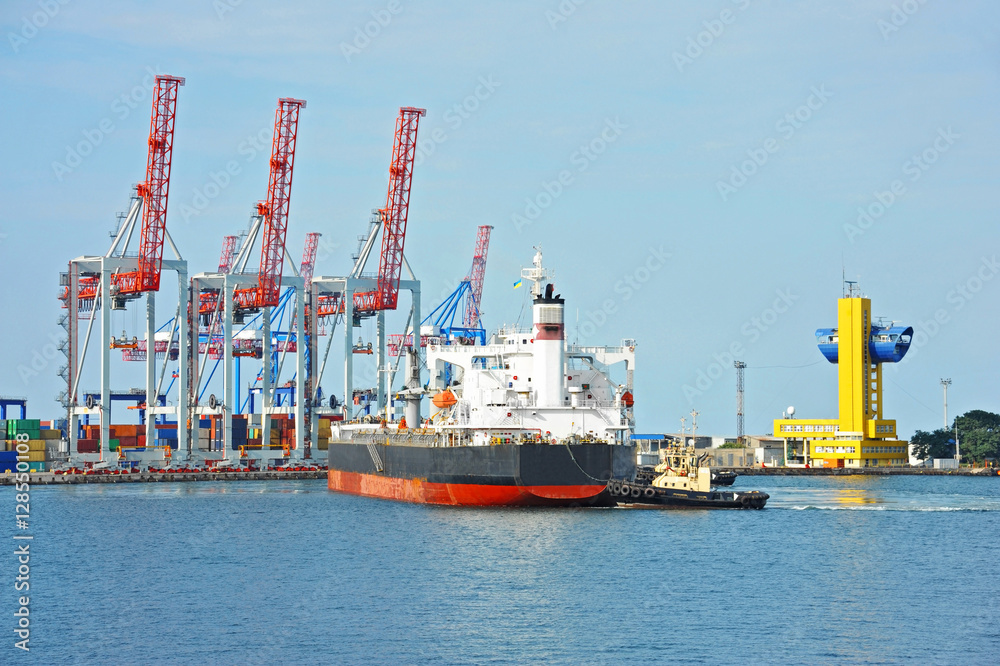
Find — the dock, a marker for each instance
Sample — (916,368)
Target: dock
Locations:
(59,479)
(860,471)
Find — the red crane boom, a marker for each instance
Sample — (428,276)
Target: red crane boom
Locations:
(275,209)
(154,191)
(397,205)
(309,258)
(228,253)
(476,277)
(209,299)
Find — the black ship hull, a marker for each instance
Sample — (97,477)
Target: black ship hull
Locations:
(496,475)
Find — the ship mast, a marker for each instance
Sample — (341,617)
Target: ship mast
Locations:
(537,274)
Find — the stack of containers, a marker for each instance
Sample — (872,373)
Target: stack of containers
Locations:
(282,432)
(8,456)
(90,439)
(8,461)
(241,431)
(205,434)
(36,445)
(127,436)
(52,437)
(253,436)
(166,434)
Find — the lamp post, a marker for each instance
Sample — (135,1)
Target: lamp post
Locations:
(945,383)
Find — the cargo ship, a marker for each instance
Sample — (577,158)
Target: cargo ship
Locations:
(525,419)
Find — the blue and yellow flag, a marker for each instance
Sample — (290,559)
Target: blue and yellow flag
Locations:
(517,284)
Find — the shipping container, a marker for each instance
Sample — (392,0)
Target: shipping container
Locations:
(87,446)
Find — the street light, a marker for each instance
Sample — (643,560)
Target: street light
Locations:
(945,383)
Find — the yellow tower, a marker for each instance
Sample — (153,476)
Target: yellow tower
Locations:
(860,437)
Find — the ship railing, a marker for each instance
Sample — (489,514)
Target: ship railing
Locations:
(596,403)
(591,403)
(578,349)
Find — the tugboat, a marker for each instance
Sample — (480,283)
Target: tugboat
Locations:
(680,480)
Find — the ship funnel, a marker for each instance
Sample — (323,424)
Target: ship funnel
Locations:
(549,352)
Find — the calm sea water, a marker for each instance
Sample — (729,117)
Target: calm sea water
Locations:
(855,570)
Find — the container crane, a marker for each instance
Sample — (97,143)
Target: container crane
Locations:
(243,292)
(107,282)
(356,296)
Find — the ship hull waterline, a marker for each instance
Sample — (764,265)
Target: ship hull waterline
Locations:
(496,475)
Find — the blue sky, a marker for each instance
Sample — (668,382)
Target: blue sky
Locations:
(714,157)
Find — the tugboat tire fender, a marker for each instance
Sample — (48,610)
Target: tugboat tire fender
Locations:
(624,489)
(636,492)
(745,501)
(649,492)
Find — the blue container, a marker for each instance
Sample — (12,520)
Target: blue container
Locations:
(8,456)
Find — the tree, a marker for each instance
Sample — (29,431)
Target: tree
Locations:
(979,434)
(937,444)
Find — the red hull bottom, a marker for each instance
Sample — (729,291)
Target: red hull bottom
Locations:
(459,494)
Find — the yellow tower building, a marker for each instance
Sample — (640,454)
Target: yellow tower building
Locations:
(860,437)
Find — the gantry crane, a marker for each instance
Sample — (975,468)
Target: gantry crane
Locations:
(243,292)
(354,297)
(107,282)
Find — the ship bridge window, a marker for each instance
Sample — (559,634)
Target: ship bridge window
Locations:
(484,362)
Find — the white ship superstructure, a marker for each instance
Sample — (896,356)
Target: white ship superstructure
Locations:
(531,380)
